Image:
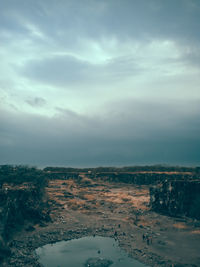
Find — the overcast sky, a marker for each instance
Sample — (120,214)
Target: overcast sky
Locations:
(99,82)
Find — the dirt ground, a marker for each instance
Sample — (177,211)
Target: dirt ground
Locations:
(86,207)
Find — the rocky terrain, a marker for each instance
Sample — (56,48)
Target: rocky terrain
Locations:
(22,205)
(86,203)
(177,198)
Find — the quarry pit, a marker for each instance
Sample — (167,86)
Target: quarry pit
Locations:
(95,207)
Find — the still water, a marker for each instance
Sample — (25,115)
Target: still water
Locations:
(76,252)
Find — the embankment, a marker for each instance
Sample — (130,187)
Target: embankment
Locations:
(176,198)
(22,202)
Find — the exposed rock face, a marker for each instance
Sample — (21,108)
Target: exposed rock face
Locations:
(19,205)
(142,178)
(139,178)
(176,198)
(62,175)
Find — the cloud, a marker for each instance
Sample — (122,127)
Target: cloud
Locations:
(60,70)
(134,60)
(65,22)
(100,82)
(36,102)
(139,135)
(67,70)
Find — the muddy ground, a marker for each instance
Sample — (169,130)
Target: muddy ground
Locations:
(86,207)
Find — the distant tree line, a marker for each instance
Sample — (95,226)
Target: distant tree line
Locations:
(153,168)
(19,174)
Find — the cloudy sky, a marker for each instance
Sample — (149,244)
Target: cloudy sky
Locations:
(99,82)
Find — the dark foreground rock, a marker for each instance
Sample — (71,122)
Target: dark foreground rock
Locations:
(98,262)
(19,206)
(176,198)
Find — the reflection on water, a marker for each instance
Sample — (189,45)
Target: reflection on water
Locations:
(76,252)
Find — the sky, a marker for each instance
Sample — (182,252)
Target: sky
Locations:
(99,82)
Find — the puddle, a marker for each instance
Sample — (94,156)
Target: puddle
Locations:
(84,252)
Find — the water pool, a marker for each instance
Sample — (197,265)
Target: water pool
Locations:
(83,252)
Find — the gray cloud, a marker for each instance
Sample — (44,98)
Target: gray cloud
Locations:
(70,139)
(63,25)
(94,19)
(192,56)
(113,51)
(68,70)
(137,17)
(60,70)
(36,102)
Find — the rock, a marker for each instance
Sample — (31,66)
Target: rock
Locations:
(19,207)
(30,228)
(68,195)
(160,242)
(4,250)
(98,262)
(176,198)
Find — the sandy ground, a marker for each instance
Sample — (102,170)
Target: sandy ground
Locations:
(111,209)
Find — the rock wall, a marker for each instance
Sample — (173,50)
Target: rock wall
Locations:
(176,198)
(62,175)
(139,178)
(142,178)
(19,205)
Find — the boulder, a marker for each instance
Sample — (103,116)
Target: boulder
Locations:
(176,198)
(98,262)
